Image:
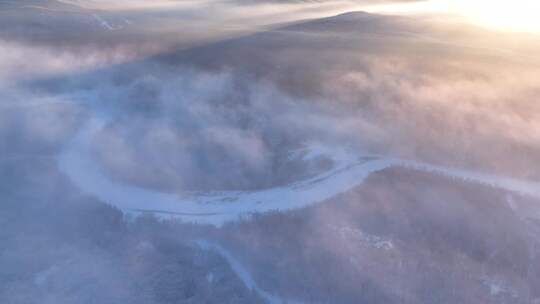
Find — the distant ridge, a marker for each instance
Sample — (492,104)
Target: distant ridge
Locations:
(52,5)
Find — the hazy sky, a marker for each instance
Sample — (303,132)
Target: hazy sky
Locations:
(519,15)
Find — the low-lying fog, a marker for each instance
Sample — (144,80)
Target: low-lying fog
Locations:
(417,136)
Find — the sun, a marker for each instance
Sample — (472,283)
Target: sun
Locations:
(507,15)
(511,15)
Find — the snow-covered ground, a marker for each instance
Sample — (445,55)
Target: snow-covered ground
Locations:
(242,272)
(216,208)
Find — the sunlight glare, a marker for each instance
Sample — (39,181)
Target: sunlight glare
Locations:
(515,15)
(506,15)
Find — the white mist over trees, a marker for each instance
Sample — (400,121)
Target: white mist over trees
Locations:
(199,100)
